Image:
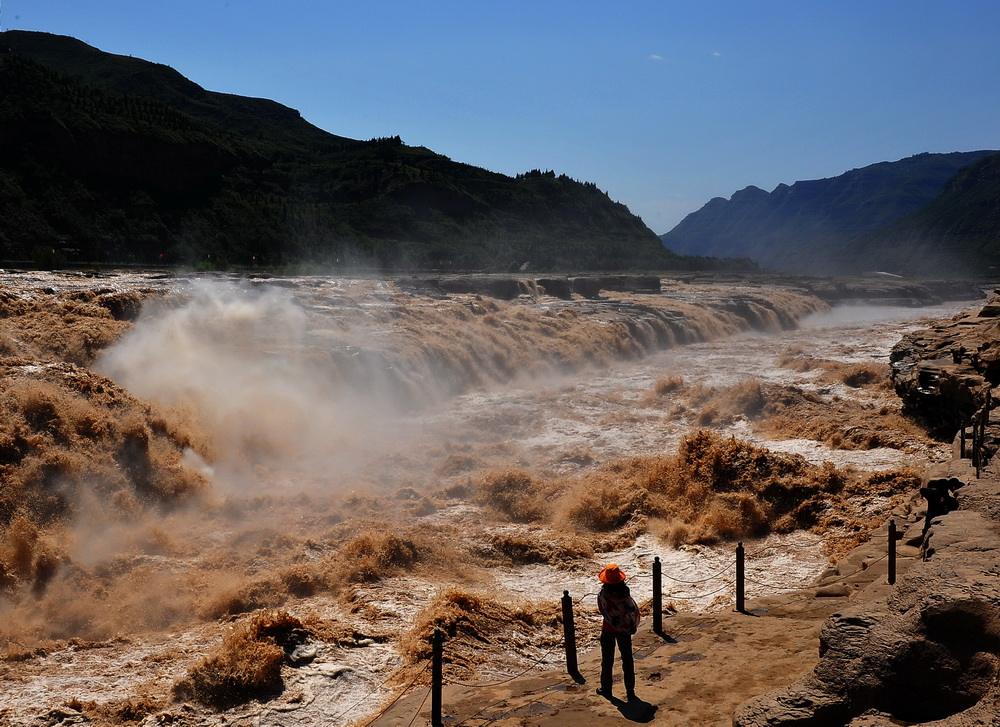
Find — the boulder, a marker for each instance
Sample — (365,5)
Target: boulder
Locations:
(556,287)
(586,287)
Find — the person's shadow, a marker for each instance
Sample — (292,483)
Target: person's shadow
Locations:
(637,710)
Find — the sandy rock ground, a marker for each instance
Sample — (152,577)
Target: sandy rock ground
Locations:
(929,651)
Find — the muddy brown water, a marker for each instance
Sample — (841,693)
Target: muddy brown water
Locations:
(541,409)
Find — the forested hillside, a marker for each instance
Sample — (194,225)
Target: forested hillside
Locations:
(114,159)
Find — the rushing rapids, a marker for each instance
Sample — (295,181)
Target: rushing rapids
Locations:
(378,460)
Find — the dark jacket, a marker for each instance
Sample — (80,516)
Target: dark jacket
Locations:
(619,609)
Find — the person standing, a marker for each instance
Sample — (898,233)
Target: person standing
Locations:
(621,620)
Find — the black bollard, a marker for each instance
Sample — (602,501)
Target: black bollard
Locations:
(740,592)
(977,443)
(437,677)
(569,634)
(657,596)
(983,419)
(891,576)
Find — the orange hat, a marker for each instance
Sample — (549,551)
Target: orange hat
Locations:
(611,574)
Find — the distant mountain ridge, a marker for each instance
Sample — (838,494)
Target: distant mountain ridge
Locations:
(116,159)
(958,231)
(835,224)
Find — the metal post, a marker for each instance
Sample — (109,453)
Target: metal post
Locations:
(569,633)
(892,552)
(657,596)
(977,442)
(739,578)
(982,436)
(437,677)
(984,420)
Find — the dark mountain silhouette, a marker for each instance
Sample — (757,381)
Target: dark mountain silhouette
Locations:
(116,159)
(808,226)
(957,232)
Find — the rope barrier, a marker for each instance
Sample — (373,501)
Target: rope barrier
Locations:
(540,660)
(577,601)
(419,707)
(395,699)
(772,586)
(701,580)
(364,698)
(828,583)
(872,538)
(700,595)
(640,576)
(535,663)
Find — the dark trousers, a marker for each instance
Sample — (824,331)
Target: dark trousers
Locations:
(624,641)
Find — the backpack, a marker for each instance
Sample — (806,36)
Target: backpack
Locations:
(620,612)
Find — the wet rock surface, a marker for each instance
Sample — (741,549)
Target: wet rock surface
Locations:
(508,287)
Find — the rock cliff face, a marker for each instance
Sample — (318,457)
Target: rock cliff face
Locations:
(945,373)
(929,652)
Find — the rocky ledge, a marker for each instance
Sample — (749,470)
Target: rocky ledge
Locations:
(507,287)
(834,291)
(876,290)
(929,653)
(945,373)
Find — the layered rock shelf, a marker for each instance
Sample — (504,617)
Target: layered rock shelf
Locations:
(874,290)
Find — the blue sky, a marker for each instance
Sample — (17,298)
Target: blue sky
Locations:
(665,104)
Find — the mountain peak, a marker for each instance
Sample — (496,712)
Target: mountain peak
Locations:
(749,193)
